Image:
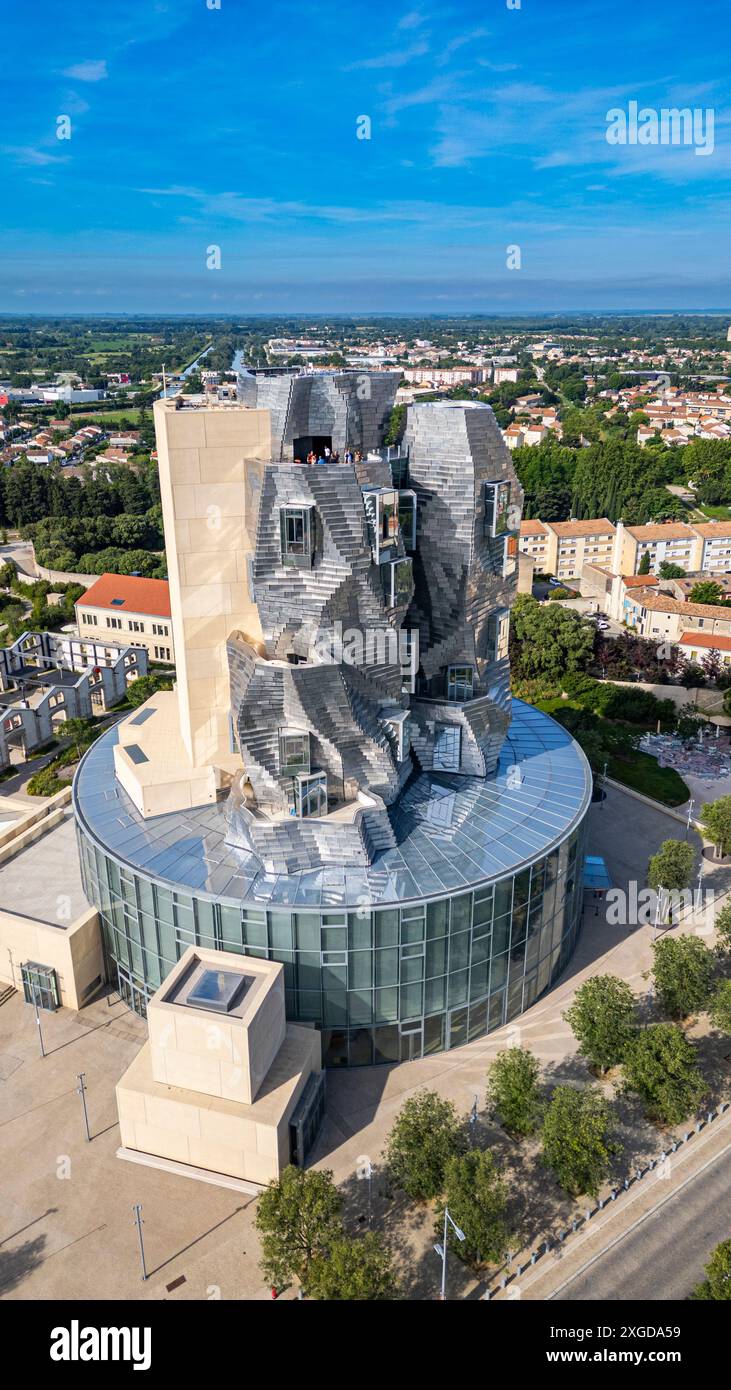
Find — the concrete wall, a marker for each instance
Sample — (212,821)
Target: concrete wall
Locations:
(240,1141)
(210,506)
(74,952)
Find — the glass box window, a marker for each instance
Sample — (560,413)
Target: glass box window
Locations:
(407,518)
(497,505)
(397,582)
(510,556)
(297,535)
(459,683)
(310,794)
(447,739)
(294,752)
(498,634)
(382,512)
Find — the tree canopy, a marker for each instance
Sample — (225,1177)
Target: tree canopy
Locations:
(662,1069)
(426,1134)
(602,1019)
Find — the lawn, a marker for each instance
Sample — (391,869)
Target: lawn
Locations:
(718,513)
(626,764)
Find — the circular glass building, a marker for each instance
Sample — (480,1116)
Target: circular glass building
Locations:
(339,780)
(452,933)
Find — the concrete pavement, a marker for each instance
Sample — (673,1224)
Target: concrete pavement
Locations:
(648,1262)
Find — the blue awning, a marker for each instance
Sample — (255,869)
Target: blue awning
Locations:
(596,874)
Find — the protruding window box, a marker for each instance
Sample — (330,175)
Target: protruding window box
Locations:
(297,536)
(382,511)
(398,583)
(460,683)
(498,634)
(497,508)
(407,518)
(294,752)
(310,794)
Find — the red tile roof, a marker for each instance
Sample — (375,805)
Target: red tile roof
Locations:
(128,594)
(706,639)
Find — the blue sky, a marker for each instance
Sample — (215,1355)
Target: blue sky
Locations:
(236,127)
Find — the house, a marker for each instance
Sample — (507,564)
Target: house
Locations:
(125,607)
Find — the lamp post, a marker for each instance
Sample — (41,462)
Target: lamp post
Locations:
(658,900)
(38,1018)
(81,1091)
(687,823)
(441,1250)
(473,1121)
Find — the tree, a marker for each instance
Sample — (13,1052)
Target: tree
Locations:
(668,570)
(358,1269)
(576,1139)
(683,972)
(549,641)
(716,1287)
(723,928)
(671,867)
(143,687)
(661,1068)
(512,1090)
(719,1008)
(297,1218)
(692,676)
(426,1134)
(715,817)
(644,565)
(706,591)
(477,1197)
(602,1019)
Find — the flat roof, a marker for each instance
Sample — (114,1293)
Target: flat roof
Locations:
(453,832)
(37,881)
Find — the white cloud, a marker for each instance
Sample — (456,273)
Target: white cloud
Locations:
(94,70)
(28,154)
(398,58)
(412,20)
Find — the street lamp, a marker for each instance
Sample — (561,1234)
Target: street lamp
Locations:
(441,1250)
(658,900)
(687,823)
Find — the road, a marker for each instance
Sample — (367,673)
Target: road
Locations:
(663,1256)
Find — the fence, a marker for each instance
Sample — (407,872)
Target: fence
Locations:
(583,1220)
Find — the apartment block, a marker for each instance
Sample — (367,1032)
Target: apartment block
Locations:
(123,608)
(563,547)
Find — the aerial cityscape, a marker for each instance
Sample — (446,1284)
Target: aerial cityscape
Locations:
(365,672)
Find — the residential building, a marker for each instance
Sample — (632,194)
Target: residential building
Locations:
(126,608)
(562,548)
(655,614)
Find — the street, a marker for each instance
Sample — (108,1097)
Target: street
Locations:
(663,1256)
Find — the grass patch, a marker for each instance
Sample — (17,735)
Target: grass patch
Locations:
(643,773)
(612,741)
(718,513)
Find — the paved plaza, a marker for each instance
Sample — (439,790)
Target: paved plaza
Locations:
(66,1220)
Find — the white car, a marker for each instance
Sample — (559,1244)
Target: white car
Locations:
(603,625)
